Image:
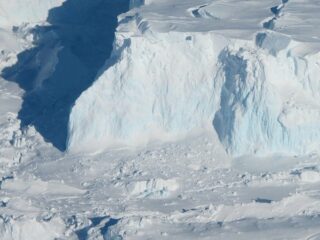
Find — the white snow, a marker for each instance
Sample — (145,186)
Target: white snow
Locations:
(153,188)
(310,176)
(24,229)
(203,124)
(17,12)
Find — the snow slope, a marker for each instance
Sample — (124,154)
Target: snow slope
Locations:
(251,72)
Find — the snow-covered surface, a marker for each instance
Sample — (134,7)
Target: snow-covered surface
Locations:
(204,124)
(17,12)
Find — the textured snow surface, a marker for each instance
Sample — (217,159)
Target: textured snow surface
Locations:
(17,12)
(177,67)
(204,121)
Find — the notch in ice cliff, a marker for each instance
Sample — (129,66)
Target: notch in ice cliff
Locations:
(258,88)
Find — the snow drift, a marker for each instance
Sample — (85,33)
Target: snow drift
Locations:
(258,91)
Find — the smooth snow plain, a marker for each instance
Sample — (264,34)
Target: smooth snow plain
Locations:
(202,124)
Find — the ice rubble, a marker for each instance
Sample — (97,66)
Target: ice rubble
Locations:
(29,229)
(153,188)
(258,87)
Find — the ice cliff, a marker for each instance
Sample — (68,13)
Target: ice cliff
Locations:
(251,73)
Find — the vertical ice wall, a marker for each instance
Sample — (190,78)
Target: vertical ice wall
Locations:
(269,103)
(157,87)
(260,100)
(172,72)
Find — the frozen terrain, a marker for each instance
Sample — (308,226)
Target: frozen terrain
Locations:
(159,119)
(251,71)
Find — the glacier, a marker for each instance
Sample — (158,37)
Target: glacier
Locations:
(257,86)
(195,120)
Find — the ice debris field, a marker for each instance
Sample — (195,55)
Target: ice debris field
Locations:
(159,119)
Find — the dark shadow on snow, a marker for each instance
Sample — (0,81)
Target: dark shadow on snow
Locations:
(82,234)
(64,62)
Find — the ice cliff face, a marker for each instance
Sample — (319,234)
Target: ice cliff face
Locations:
(256,86)
(168,90)
(268,103)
